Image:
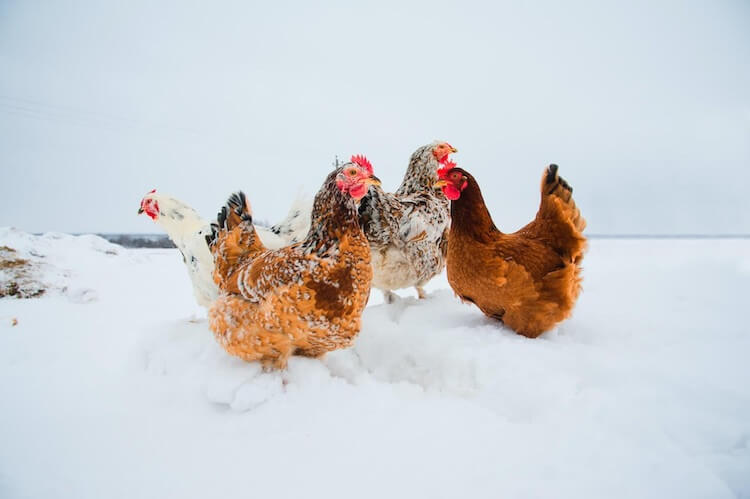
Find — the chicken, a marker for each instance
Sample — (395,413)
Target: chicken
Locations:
(188,232)
(407,229)
(530,279)
(304,299)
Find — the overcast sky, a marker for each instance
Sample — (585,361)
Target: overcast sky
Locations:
(645,105)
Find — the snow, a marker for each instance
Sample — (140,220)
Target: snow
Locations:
(642,393)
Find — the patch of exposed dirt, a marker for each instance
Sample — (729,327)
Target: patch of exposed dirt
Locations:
(17,276)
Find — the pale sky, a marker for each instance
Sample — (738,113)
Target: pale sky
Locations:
(645,105)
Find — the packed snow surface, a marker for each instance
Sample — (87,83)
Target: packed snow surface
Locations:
(111,387)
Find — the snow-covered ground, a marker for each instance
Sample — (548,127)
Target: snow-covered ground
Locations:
(108,390)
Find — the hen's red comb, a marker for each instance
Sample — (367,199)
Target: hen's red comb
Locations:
(152,191)
(443,172)
(362,161)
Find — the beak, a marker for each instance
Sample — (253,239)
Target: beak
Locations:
(439,183)
(140,210)
(372,180)
(453,149)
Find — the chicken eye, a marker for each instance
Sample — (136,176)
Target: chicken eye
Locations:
(352,172)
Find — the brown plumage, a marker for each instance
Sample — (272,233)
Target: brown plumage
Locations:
(304,299)
(529,279)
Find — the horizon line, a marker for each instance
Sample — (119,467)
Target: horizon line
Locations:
(590,236)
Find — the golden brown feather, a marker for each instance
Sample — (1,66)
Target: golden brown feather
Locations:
(529,279)
(304,299)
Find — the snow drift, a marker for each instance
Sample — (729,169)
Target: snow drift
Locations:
(643,393)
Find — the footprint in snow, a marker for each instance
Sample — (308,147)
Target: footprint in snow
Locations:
(242,387)
(81,295)
(257,391)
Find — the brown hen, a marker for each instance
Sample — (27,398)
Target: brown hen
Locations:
(529,279)
(304,299)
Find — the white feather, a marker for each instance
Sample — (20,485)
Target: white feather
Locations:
(188,231)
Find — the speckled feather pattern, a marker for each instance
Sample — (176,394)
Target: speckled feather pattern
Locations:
(305,299)
(407,229)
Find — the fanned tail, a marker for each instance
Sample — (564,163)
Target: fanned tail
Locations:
(233,241)
(554,185)
(558,223)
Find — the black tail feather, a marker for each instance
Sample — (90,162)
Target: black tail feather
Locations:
(211,238)
(225,219)
(551,173)
(552,180)
(237,204)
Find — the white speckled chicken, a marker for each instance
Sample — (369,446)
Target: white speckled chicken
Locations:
(188,232)
(407,229)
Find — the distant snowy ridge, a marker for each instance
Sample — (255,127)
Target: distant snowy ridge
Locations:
(48,260)
(139,240)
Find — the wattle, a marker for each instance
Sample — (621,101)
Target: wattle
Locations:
(451,192)
(358,191)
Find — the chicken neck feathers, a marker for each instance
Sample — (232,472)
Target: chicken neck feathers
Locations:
(406,228)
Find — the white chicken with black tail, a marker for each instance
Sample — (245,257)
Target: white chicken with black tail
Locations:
(188,231)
